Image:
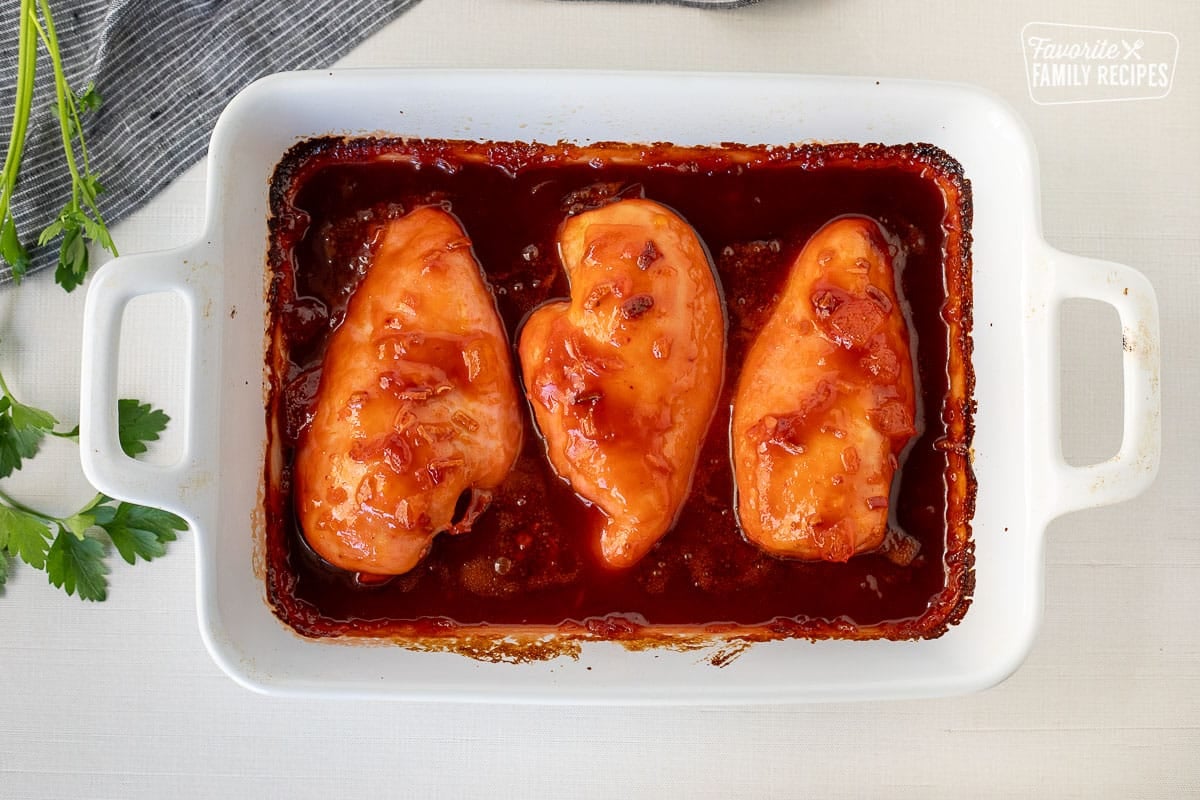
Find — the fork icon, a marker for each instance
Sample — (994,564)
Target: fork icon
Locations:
(1132,49)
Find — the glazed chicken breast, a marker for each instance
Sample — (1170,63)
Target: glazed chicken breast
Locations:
(825,403)
(624,377)
(417,414)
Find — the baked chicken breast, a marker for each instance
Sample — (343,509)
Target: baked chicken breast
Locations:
(624,376)
(825,403)
(417,415)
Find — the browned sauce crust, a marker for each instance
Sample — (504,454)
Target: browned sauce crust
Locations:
(528,568)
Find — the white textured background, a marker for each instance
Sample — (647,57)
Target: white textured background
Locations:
(120,700)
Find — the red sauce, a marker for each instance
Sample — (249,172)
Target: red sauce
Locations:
(530,559)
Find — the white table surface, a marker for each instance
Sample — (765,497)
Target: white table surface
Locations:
(119,699)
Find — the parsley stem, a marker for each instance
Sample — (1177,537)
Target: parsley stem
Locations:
(62,91)
(73,105)
(19,506)
(72,434)
(95,501)
(42,515)
(26,67)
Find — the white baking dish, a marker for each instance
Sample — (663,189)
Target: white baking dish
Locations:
(1019,286)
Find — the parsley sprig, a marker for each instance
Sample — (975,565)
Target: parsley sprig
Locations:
(72,549)
(80,220)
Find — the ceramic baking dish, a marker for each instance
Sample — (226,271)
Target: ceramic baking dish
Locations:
(1020,284)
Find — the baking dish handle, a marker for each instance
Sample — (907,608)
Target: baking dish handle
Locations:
(1133,468)
(105,464)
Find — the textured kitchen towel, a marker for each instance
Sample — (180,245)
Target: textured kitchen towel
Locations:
(165,70)
(689,3)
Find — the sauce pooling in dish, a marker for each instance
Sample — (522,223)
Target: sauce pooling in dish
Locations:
(530,559)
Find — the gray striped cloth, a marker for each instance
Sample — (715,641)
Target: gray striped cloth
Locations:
(164,70)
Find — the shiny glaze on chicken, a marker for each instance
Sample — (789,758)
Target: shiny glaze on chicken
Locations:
(417,415)
(624,377)
(825,403)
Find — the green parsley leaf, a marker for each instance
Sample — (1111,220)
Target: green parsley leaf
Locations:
(50,231)
(16,444)
(11,249)
(138,423)
(138,530)
(72,128)
(72,256)
(94,230)
(78,524)
(26,536)
(89,187)
(73,560)
(89,98)
(77,565)
(26,417)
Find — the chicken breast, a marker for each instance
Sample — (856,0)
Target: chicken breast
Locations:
(417,415)
(624,377)
(825,403)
